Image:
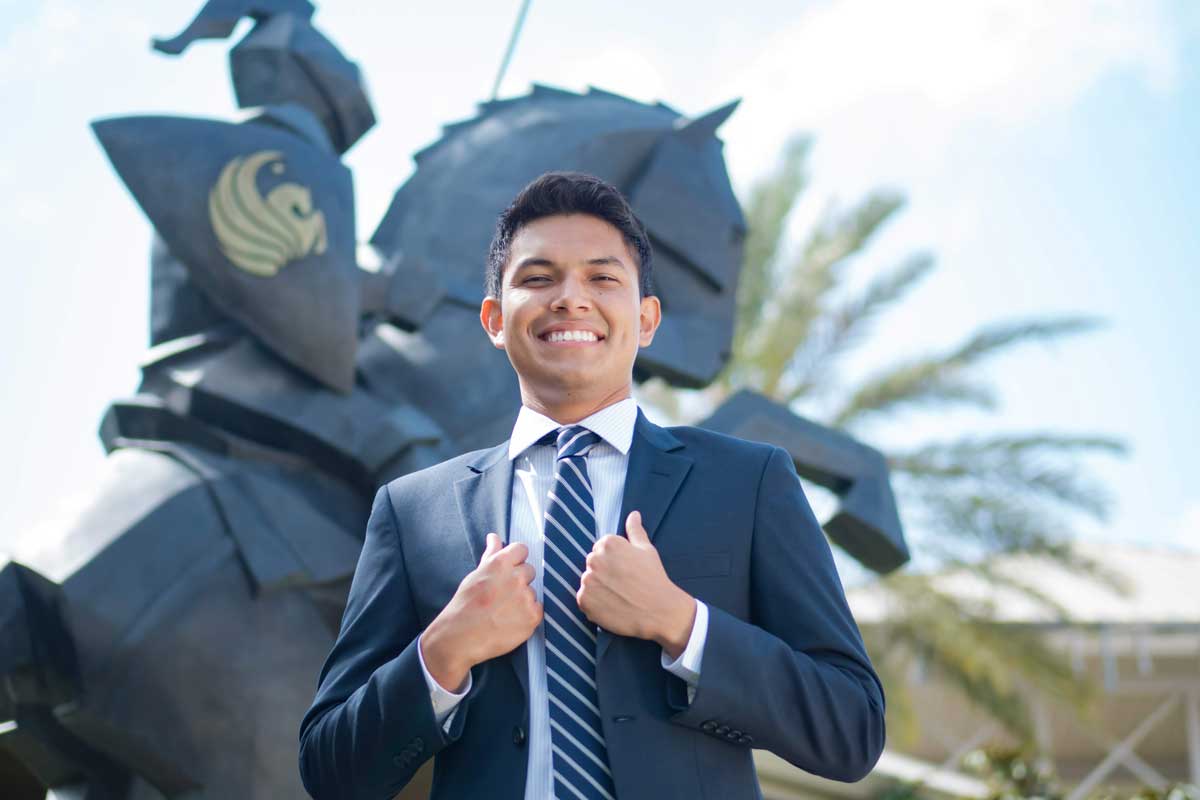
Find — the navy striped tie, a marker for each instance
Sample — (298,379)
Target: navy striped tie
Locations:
(579,759)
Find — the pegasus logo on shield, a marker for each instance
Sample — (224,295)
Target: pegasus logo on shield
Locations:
(262,235)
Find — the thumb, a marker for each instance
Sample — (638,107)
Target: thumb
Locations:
(634,530)
(493,546)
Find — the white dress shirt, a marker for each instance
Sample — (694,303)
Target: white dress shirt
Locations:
(533,478)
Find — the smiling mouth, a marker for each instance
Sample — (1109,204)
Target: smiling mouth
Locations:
(570,337)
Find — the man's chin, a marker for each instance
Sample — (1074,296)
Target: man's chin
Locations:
(579,361)
(567,379)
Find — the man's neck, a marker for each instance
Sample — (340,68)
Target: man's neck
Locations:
(568,410)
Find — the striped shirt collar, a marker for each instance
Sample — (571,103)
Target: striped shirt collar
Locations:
(614,424)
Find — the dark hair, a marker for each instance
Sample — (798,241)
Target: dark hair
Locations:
(567,193)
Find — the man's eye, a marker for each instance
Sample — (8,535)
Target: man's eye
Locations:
(532,278)
(606,278)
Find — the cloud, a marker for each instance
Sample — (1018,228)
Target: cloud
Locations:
(42,43)
(896,82)
(67,40)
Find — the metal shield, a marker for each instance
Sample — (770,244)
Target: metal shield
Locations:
(264,222)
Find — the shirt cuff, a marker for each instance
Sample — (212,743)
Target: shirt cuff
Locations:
(444,701)
(687,666)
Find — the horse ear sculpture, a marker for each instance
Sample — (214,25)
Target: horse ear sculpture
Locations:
(671,168)
(697,227)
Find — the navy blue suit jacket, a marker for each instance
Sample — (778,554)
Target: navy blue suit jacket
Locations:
(784,666)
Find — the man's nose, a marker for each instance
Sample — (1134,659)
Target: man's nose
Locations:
(572,295)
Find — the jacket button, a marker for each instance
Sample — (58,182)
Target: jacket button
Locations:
(746,740)
(519,736)
(721,731)
(709,726)
(418,744)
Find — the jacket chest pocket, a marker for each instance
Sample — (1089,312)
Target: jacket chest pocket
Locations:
(684,566)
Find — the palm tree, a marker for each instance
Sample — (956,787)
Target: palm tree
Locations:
(964,499)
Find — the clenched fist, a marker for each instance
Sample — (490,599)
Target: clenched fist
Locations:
(492,612)
(626,590)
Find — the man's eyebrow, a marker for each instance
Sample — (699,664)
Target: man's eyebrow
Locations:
(538,261)
(533,261)
(605,260)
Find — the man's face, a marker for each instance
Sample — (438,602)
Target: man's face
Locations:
(569,313)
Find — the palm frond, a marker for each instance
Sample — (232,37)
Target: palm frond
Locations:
(1038,463)
(842,327)
(920,385)
(956,534)
(787,322)
(985,521)
(991,664)
(767,210)
(996,578)
(1071,559)
(938,381)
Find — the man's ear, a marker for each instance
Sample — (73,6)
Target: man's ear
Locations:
(492,320)
(649,318)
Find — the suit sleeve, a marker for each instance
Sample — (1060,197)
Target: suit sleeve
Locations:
(372,723)
(795,679)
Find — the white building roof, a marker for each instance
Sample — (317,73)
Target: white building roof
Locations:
(1162,588)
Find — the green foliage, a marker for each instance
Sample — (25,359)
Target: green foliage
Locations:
(989,663)
(769,205)
(940,380)
(1041,463)
(844,325)
(965,500)
(1016,774)
(791,309)
(1019,774)
(1012,774)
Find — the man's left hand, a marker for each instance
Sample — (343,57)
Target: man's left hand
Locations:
(625,590)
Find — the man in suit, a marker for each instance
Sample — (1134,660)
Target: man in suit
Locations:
(498,619)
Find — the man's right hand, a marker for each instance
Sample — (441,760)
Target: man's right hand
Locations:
(492,612)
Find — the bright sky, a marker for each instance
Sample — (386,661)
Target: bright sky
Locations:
(1048,151)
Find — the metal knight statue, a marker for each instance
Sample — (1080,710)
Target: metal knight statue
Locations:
(166,642)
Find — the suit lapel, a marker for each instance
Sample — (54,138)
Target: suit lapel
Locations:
(485,503)
(652,480)
(484,498)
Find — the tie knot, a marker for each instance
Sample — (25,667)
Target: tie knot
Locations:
(575,440)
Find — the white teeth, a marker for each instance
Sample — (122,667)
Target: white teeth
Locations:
(572,336)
